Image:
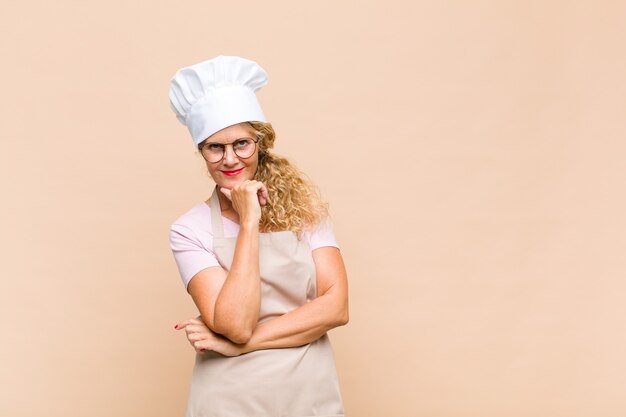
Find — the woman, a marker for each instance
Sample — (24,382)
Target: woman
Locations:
(259,259)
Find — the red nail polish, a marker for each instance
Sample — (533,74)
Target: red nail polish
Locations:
(176,326)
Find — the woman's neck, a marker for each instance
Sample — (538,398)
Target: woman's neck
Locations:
(225,203)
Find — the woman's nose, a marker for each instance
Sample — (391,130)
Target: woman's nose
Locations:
(230,157)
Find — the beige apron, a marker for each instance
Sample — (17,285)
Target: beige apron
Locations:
(286,382)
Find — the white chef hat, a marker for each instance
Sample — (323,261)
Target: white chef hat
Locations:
(217,93)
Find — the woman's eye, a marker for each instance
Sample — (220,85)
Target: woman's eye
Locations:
(214,146)
(242,143)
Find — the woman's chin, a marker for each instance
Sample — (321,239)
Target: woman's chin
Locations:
(229,182)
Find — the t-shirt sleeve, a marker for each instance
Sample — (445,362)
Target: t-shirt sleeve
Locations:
(190,254)
(321,235)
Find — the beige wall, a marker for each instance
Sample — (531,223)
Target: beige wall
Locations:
(471,152)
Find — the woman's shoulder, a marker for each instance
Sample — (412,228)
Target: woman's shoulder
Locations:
(321,234)
(197,217)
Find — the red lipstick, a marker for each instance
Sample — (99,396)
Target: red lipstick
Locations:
(232,173)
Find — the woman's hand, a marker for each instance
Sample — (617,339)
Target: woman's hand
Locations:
(202,338)
(247,199)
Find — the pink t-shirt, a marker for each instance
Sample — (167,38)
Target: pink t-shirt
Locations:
(191,239)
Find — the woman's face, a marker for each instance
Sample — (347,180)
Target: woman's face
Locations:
(240,169)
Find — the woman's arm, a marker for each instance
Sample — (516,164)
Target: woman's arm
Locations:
(229,303)
(313,319)
(239,300)
(298,327)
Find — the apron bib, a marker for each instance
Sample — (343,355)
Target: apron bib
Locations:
(286,382)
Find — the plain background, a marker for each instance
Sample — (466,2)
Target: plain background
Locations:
(472,154)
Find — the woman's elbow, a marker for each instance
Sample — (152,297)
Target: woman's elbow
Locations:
(238,334)
(345,318)
(241,337)
(342,317)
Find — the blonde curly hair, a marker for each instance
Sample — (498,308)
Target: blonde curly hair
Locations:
(295,202)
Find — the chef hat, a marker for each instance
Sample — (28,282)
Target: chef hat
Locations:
(217,93)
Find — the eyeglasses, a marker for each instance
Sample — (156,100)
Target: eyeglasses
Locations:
(213,152)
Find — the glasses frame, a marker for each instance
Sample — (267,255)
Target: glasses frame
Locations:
(224,149)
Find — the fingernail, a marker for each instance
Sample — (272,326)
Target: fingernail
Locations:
(176,326)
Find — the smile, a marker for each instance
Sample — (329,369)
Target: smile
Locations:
(232,173)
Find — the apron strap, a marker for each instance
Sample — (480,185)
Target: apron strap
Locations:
(216,214)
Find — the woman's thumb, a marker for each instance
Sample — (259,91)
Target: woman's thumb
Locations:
(226,192)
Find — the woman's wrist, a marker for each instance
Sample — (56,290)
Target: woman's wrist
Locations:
(249,224)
